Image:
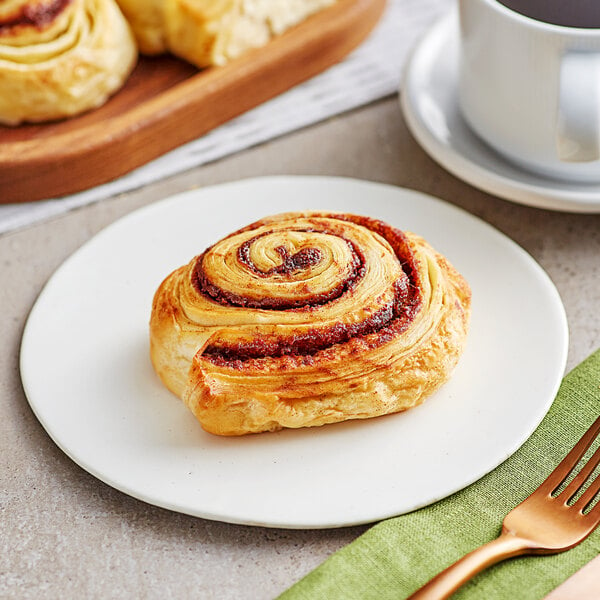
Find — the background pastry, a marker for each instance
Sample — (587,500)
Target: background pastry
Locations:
(304,319)
(212,32)
(147,20)
(59,58)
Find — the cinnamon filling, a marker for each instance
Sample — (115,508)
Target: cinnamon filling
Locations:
(302,259)
(34,15)
(306,343)
(388,322)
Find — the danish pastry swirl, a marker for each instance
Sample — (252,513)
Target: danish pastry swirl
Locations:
(59,58)
(308,318)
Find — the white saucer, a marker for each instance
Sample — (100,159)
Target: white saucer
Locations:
(429,102)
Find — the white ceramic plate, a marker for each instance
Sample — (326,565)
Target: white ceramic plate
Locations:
(428,97)
(87,375)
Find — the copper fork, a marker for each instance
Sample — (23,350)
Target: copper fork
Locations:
(554,518)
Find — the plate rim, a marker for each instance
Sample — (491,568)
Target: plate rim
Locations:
(285,523)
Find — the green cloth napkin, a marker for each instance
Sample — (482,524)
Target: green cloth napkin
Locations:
(397,556)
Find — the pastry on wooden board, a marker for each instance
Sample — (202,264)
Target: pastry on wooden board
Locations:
(213,32)
(59,58)
(303,319)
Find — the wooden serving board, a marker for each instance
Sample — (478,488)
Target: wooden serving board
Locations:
(167,102)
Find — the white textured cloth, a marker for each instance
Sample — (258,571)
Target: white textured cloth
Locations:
(371,72)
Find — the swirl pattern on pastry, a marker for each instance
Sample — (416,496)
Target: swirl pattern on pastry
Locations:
(303,319)
(59,58)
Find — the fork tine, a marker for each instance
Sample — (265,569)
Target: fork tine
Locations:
(566,465)
(575,485)
(589,494)
(594,513)
(541,524)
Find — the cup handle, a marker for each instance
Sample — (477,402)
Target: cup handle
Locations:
(578,126)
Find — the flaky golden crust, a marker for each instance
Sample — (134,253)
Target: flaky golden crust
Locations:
(212,32)
(147,20)
(304,319)
(59,58)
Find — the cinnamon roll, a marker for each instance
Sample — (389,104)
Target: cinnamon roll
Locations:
(212,32)
(303,319)
(59,58)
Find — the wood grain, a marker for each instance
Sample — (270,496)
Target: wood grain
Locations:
(166,103)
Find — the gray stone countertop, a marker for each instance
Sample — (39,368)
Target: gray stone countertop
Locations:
(65,534)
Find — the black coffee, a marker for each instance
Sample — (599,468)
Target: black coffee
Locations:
(569,13)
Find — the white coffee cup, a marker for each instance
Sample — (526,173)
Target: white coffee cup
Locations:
(531,89)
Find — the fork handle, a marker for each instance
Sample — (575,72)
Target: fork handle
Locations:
(450,579)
